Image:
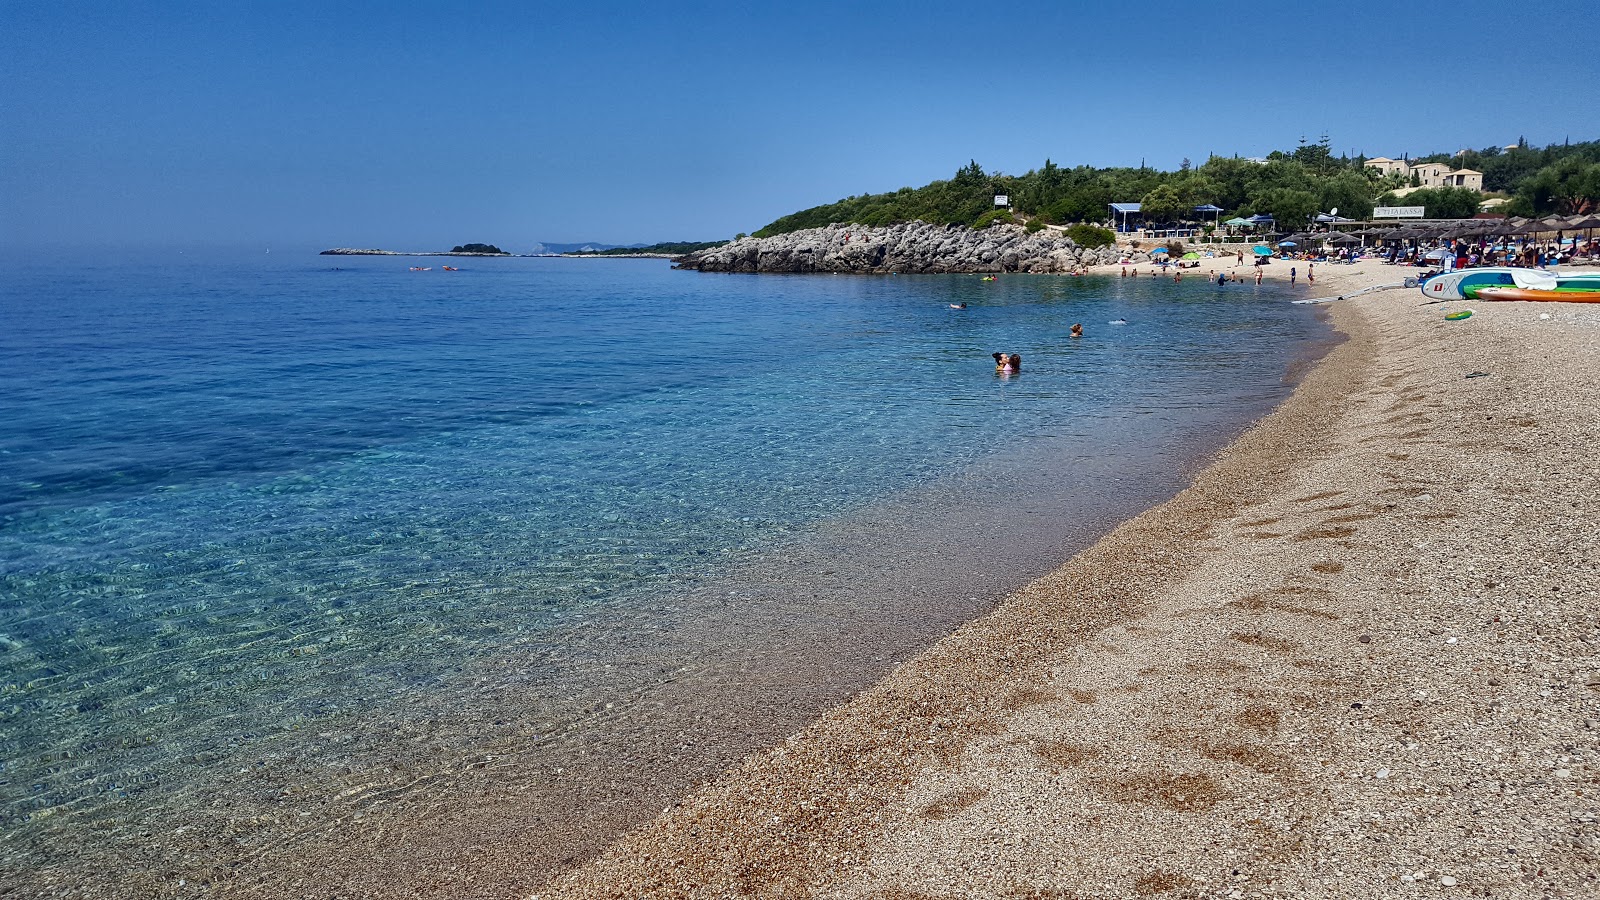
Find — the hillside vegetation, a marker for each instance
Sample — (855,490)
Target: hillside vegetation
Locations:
(1291,186)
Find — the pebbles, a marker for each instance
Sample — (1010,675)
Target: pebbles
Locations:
(1492,739)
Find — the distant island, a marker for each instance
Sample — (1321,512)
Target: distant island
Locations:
(462,250)
(665,249)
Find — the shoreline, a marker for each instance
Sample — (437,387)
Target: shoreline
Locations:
(1307,674)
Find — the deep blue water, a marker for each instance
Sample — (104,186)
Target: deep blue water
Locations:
(240,495)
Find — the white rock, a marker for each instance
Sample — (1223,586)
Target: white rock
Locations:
(1447,881)
(1382,773)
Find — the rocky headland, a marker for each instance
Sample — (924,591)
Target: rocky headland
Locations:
(906,248)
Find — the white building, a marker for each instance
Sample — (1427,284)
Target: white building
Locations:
(1431,174)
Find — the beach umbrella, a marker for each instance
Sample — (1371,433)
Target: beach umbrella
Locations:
(1158,250)
(1441,253)
(1287,244)
(1191,255)
(1261,251)
(1237,221)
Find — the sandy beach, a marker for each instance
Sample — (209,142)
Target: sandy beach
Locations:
(1356,658)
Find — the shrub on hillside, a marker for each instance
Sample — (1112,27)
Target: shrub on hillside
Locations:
(1091,236)
(1035,226)
(992,217)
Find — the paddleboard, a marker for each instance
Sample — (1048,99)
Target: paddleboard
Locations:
(1533,294)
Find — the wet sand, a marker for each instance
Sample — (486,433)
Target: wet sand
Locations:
(1356,658)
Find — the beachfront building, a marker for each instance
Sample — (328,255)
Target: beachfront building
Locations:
(1430,174)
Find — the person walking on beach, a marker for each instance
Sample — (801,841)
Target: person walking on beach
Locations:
(1311,277)
(1258,274)
(1291,275)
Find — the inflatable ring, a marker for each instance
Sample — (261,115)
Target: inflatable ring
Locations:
(1458,316)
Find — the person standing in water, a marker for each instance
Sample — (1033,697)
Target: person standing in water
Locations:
(1291,275)
(1077,329)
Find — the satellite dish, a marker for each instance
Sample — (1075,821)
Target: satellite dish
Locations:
(1334,211)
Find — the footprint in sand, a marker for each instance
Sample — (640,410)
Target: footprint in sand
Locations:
(1180,791)
(1064,754)
(1265,641)
(951,804)
(1325,532)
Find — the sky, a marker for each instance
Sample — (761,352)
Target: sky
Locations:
(418,126)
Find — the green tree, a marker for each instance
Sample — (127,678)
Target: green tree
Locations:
(1163,204)
(1091,237)
(1349,192)
(1569,187)
(1446,202)
(1289,207)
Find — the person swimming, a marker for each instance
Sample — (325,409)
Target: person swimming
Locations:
(1112,322)
(1077,329)
(1007,364)
(958,306)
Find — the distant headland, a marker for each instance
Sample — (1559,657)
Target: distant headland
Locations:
(663,250)
(460,250)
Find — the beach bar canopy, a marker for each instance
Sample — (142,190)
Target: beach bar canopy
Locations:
(1125,210)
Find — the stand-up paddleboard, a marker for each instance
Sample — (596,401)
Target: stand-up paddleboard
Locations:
(1583,281)
(1534,294)
(1464,284)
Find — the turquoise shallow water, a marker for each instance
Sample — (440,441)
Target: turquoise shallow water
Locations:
(274,513)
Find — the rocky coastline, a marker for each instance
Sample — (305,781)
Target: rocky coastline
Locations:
(906,248)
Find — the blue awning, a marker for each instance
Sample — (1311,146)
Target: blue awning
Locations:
(1208,208)
(1261,218)
(1125,207)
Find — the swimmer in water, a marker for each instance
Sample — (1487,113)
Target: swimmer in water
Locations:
(1005,364)
(1117,322)
(958,306)
(1077,329)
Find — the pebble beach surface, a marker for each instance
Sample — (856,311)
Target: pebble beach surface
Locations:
(1356,658)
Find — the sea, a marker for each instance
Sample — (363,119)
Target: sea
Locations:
(324,568)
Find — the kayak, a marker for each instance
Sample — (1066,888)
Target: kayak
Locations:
(1535,294)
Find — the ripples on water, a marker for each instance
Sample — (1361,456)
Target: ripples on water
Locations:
(276,515)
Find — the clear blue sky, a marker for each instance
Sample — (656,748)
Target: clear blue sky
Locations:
(415,126)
